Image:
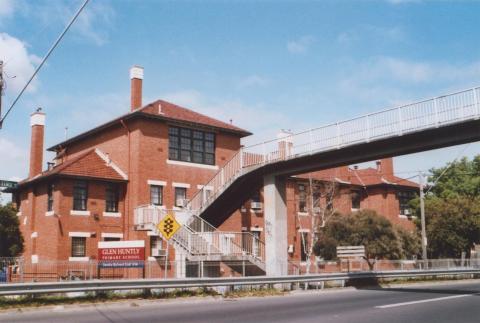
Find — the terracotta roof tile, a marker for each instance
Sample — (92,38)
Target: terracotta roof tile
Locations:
(88,164)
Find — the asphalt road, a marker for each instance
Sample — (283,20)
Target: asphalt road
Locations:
(457,302)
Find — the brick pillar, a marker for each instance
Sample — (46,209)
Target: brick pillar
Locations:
(37,122)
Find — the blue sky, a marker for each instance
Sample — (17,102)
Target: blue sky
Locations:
(268,65)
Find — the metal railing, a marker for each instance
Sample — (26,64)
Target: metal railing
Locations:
(132,284)
(199,238)
(410,118)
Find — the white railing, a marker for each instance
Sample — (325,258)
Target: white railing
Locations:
(423,115)
(200,238)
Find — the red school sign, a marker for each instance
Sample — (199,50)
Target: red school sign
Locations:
(112,251)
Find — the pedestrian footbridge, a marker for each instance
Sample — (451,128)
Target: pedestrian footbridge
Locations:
(429,124)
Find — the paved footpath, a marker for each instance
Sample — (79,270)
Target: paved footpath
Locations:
(436,303)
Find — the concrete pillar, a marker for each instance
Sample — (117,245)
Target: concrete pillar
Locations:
(275,212)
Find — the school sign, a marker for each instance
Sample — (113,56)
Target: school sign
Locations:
(121,254)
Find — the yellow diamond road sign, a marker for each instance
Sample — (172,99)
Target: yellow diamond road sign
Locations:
(168,226)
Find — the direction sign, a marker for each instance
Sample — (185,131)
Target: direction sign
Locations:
(168,226)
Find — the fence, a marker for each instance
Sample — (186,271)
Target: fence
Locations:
(16,270)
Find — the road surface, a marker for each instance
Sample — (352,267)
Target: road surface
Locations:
(448,302)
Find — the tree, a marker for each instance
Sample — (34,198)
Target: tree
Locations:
(365,228)
(11,240)
(452,209)
(452,225)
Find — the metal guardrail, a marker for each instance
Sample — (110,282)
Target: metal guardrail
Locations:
(105,285)
(428,114)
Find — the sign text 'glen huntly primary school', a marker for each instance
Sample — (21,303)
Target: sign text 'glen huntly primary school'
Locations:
(121,254)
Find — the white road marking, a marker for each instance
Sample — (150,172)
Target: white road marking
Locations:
(425,301)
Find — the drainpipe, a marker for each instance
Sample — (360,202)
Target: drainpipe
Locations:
(126,219)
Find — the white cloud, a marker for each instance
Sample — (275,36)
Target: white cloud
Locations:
(93,24)
(253,81)
(300,45)
(19,63)
(366,33)
(13,164)
(242,115)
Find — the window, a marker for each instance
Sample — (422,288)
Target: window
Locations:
(403,201)
(356,198)
(302,198)
(156,194)
(111,198)
(304,246)
(191,145)
(80,195)
(180,195)
(111,239)
(50,189)
(155,244)
(79,246)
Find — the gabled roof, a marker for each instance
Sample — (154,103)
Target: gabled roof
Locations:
(360,177)
(161,110)
(91,164)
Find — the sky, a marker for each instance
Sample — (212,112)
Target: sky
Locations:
(266,65)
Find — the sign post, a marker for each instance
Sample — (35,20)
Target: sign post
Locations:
(168,227)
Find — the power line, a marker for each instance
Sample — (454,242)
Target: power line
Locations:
(44,60)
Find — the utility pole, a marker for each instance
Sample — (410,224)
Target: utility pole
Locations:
(1,91)
(422,217)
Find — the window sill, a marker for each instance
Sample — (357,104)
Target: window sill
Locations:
(112,214)
(152,259)
(49,213)
(79,259)
(302,213)
(177,208)
(182,163)
(78,212)
(354,209)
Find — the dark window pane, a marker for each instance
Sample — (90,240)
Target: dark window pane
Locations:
(180,195)
(198,135)
(174,142)
(210,159)
(209,136)
(185,132)
(198,145)
(191,145)
(185,155)
(111,198)
(173,131)
(80,195)
(197,157)
(173,154)
(186,143)
(209,147)
(156,195)
(50,197)
(79,246)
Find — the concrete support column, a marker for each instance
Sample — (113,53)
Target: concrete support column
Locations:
(275,212)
